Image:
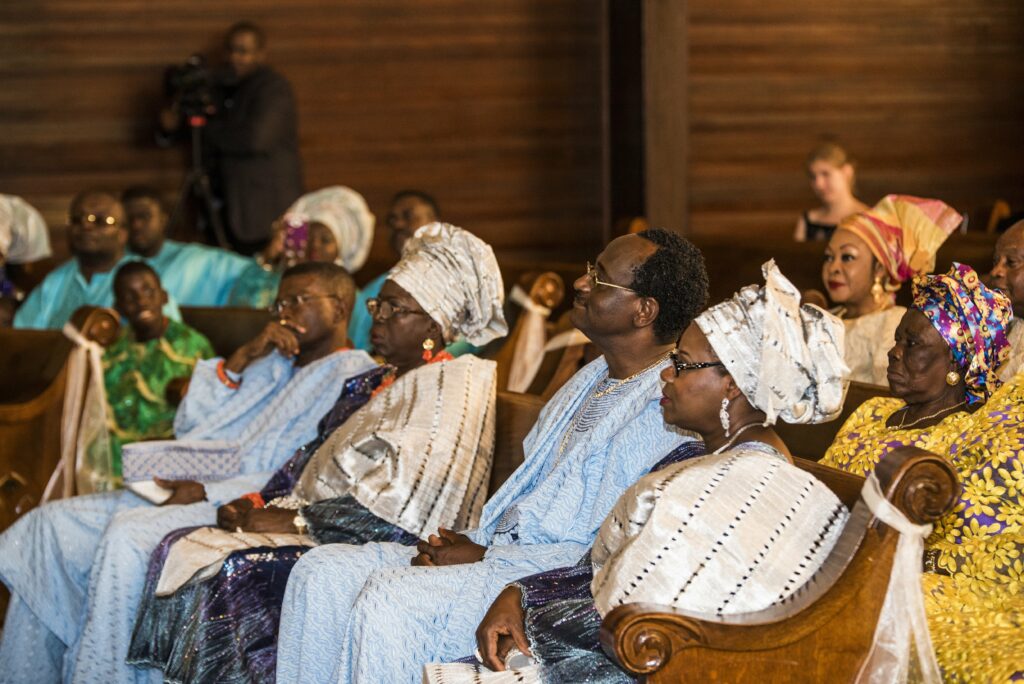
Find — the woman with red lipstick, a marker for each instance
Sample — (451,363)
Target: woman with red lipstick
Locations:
(867,259)
(831,173)
(943,370)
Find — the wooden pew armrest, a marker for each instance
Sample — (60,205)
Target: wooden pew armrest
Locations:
(643,637)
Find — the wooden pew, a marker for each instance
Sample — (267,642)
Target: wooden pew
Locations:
(824,631)
(31,401)
(31,404)
(32,389)
(812,441)
(515,415)
(545,289)
(558,365)
(227,328)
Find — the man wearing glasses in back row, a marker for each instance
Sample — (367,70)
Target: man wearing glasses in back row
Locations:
(97,235)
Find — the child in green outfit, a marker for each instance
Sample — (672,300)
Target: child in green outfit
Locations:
(151,354)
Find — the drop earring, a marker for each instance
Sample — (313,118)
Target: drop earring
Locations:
(877,291)
(723,416)
(428,349)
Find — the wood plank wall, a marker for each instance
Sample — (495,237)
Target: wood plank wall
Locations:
(928,95)
(493,107)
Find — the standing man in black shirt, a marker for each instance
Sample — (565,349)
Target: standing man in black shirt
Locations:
(251,143)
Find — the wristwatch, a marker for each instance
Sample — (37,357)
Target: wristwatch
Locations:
(300,524)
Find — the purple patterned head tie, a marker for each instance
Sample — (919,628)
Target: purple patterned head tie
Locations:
(972,319)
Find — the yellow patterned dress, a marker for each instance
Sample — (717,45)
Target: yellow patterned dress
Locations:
(974,590)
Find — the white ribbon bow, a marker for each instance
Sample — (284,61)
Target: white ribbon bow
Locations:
(528,353)
(84,418)
(903,611)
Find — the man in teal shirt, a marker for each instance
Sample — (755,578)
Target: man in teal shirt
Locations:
(193,274)
(97,238)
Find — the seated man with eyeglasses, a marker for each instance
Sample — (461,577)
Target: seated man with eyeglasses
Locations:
(272,391)
(252,411)
(97,235)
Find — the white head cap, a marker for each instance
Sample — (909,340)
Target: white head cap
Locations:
(345,213)
(455,278)
(787,358)
(24,236)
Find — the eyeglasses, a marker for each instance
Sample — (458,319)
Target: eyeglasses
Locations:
(595,281)
(278,307)
(93,220)
(681,366)
(383,310)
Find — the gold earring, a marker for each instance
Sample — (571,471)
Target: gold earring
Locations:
(877,291)
(952,378)
(428,349)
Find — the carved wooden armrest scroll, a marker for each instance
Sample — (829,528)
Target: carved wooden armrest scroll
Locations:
(99,324)
(642,637)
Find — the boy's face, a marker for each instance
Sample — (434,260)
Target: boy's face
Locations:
(140,299)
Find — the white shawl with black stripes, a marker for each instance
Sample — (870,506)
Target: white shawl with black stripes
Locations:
(418,455)
(726,533)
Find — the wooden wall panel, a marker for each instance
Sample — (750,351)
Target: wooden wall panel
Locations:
(493,107)
(928,95)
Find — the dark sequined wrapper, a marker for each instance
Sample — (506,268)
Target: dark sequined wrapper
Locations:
(225,629)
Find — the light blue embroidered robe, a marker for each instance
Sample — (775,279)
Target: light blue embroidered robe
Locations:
(64,290)
(341,598)
(275,409)
(76,568)
(195,274)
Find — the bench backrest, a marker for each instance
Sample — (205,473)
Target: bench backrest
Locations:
(824,631)
(227,327)
(516,414)
(812,441)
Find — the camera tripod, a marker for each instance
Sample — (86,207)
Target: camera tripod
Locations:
(197,186)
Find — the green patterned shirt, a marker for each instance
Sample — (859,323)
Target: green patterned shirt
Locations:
(136,377)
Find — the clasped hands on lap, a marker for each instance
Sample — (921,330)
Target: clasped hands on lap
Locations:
(447,548)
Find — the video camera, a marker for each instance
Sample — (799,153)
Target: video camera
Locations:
(195,87)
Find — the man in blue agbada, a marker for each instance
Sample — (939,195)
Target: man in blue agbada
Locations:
(361,613)
(252,410)
(97,234)
(194,274)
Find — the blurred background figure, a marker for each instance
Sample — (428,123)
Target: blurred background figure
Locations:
(146,370)
(250,136)
(193,274)
(24,239)
(330,225)
(832,180)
